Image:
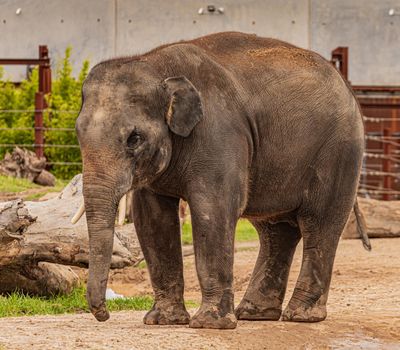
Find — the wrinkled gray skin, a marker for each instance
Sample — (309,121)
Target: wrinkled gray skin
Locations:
(238,126)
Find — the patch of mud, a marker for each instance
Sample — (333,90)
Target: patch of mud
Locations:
(355,341)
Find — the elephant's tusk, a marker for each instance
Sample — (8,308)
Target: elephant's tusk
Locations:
(121,210)
(78,214)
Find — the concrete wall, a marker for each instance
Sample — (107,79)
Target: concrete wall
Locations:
(144,24)
(373,37)
(100,29)
(87,25)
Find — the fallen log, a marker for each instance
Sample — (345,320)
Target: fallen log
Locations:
(33,234)
(382,219)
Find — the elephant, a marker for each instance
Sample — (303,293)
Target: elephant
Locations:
(239,126)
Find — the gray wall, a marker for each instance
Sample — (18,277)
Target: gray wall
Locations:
(100,29)
(373,37)
(156,22)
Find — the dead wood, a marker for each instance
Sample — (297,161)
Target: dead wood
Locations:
(36,232)
(22,163)
(382,219)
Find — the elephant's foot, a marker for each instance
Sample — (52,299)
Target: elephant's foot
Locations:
(304,313)
(305,306)
(101,313)
(211,317)
(167,315)
(248,310)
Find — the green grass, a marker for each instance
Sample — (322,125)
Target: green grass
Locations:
(142,265)
(244,232)
(18,304)
(11,184)
(187,233)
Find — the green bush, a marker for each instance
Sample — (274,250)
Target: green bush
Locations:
(64,104)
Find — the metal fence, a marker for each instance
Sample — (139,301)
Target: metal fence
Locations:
(30,133)
(380,176)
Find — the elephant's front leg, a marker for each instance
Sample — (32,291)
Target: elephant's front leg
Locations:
(157,224)
(214,222)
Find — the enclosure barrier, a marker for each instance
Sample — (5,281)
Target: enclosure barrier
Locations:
(44,88)
(381,107)
(39,130)
(42,131)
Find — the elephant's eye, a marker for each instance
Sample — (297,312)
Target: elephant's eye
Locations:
(134,140)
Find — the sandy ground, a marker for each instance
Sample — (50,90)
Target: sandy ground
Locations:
(363,312)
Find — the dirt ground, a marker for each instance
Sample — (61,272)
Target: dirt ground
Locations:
(363,312)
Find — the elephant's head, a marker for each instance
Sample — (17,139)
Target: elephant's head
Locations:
(125,129)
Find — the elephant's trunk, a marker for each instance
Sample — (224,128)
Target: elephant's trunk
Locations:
(101,202)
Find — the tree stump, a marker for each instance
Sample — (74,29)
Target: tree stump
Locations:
(22,163)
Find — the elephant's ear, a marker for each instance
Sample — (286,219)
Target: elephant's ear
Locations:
(184,109)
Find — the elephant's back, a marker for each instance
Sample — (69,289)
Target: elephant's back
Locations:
(247,54)
(271,74)
(231,43)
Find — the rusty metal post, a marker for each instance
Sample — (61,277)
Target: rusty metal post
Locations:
(39,137)
(340,59)
(44,70)
(44,90)
(387,180)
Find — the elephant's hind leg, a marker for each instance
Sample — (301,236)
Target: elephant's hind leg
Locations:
(321,222)
(308,302)
(267,286)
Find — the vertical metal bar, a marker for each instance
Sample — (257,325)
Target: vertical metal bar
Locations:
(39,137)
(44,89)
(44,71)
(395,130)
(345,62)
(387,180)
(340,59)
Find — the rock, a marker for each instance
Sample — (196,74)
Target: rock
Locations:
(45,178)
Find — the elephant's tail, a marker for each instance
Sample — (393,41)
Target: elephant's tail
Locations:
(362,227)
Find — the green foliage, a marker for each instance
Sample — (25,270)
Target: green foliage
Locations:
(245,231)
(19,304)
(22,98)
(64,104)
(65,97)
